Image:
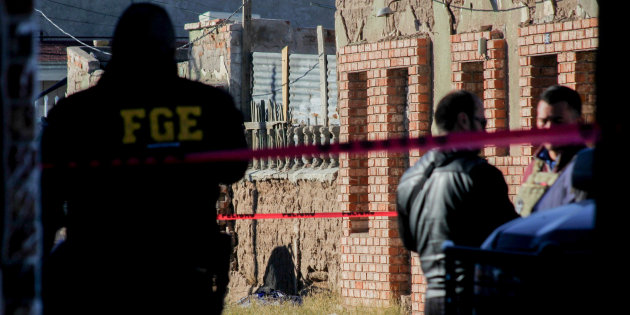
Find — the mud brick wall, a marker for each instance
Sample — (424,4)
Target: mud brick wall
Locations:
(289,255)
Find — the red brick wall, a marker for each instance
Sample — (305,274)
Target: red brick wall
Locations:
(572,44)
(372,101)
(483,74)
(556,53)
(381,86)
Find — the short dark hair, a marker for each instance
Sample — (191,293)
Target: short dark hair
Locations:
(451,105)
(558,93)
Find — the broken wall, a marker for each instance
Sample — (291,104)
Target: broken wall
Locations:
(84,69)
(216,54)
(86,66)
(356,21)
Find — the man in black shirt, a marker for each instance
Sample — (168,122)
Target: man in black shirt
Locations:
(141,231)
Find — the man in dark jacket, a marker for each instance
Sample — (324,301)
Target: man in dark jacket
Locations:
(450,195)
(142,236)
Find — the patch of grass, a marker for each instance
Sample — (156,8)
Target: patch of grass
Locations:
(322,303)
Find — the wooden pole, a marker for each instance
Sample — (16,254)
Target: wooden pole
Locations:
(246,58)
(285,82)
(323,74)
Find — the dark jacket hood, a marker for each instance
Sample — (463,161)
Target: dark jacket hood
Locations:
(143,45)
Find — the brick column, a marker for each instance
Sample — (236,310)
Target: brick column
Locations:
(381,86)
(577,71)
(419,101)
(483,74)
(418,285)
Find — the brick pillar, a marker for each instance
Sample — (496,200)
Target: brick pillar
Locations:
(483,74)
(384,87)
(353,167)
(494,86)
(585,83)
(418,285)
(577,71)
(386,107)
(20,249)
(420,104)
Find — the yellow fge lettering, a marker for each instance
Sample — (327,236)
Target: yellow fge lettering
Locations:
(165,131)
(130,125)
(169,130)
(186,123)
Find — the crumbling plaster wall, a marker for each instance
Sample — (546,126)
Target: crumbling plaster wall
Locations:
(216,54)
(86,66)
(84,69)
(356,20)
(313,244)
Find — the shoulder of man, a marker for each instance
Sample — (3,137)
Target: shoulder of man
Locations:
(195,87)
(413,176)
(218,99)
(72,104)
(462,162)
(484,170)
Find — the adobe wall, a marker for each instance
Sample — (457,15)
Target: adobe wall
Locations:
(297,253)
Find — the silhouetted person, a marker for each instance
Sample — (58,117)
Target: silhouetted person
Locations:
(450,195)
(141,238)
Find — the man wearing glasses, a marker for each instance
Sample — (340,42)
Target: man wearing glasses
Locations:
(450,195)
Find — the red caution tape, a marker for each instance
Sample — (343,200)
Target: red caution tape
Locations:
(561,135)
(312,215)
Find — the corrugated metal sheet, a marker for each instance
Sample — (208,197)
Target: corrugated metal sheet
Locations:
(305,99)
(267,77)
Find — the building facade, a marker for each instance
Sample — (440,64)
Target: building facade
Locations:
(392,71)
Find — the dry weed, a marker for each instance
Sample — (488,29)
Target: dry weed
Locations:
(325,303)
